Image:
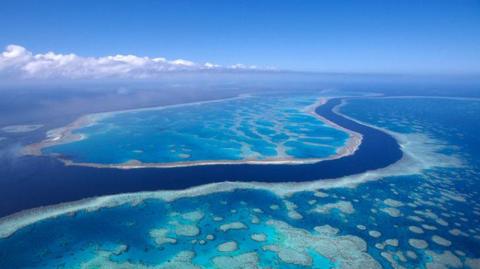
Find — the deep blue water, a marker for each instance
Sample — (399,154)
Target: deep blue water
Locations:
(440,201)
(69,183)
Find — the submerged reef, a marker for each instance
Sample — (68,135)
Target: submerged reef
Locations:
(253,229)
(247,129)
(21,128)
(421,212)
(153,233)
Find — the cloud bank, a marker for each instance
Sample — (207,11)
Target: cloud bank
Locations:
(19,63)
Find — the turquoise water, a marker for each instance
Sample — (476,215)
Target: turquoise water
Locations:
(424,220)
(250,128)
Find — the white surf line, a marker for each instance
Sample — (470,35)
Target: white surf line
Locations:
(419,153)
(137,164)
(221,100)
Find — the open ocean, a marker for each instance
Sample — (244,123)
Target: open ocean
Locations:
(408,199)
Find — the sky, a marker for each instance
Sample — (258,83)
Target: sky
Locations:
(320,36)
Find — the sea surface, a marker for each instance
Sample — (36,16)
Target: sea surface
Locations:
(247,128)
(420,212)
(52,182)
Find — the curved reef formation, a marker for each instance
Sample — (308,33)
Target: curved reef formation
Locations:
(377,150)
(423,213)
(246,129)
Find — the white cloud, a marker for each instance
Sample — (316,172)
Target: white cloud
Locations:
(18,62)
(210,65)
(182,62)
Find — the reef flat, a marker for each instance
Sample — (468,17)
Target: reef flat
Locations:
(377,150)
(420,153)
(247,129)
(419,212)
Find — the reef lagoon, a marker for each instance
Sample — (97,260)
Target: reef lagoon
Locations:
(246,129)
(421,210)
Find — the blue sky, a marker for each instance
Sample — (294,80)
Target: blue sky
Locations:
(334,36)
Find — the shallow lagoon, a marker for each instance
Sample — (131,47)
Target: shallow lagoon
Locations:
(248,128)
(430,219)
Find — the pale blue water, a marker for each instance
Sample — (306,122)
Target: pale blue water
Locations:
(253,128)
(440,201)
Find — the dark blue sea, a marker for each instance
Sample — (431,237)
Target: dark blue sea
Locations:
(408,199)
